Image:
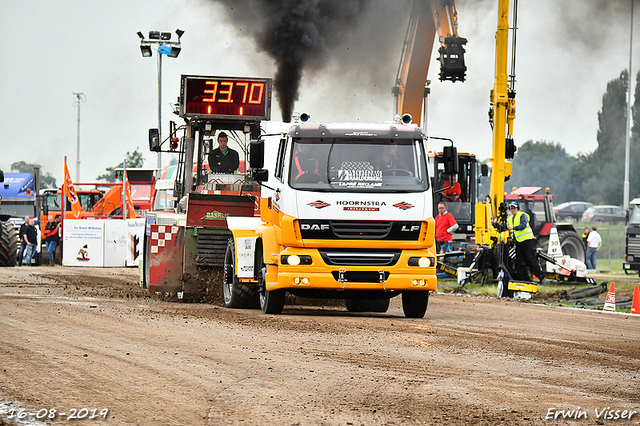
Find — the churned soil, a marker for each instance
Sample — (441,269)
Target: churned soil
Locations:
(90,338)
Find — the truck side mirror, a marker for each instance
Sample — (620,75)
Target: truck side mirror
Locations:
(484,170)
(450,154)
(260,175)
(154,140)
(1,176)
(256,154)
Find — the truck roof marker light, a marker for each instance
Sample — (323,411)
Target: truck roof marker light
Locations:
(208,109)
(241,110)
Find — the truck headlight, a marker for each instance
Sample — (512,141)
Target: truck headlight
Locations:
(422,262)
(630,258)
(295,260)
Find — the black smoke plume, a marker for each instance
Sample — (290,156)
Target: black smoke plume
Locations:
(297,34)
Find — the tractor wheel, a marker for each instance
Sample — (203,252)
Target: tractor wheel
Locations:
(236,294)
(9,246)
(414,303)
(571,244)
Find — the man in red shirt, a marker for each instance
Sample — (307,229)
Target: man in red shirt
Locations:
(452,190)
(446,225)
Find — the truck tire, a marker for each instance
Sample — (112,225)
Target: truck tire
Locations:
(414,303)
(367,305)
(271,302)
(9,246)
(570,242)
(236,294)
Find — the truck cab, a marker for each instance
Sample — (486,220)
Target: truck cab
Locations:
(471,176)
(632,238)
(346,213)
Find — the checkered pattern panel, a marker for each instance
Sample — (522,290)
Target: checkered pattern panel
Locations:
(159,235)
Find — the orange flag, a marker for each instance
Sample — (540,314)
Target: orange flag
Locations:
(131,212)
(70,192)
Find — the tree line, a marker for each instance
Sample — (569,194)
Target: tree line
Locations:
(597,177)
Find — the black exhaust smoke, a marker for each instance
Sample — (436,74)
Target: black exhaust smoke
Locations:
(296,34)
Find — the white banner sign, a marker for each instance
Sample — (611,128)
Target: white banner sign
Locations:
(83,243)
(103,242)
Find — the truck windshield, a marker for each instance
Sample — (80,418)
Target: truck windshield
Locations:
(87,200)
(358,164)
(634,216)
(165,201)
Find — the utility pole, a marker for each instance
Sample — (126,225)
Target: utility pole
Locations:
(159,172)
(80,98)
(628,138)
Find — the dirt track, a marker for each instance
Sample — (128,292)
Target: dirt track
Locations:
(91,338)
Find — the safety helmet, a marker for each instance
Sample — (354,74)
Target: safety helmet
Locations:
(513,204)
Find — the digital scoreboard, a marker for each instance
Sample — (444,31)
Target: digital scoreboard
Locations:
(228,98)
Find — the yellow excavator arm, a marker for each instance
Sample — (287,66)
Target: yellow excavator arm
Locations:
(428,18)
(502,113)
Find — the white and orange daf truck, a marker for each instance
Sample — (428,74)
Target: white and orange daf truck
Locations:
(345,213)
(327,210)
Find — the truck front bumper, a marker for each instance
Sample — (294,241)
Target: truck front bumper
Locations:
(319,275)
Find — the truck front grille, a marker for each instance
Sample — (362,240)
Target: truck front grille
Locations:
(361,229)
(360,257)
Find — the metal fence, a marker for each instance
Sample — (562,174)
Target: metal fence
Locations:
(613,244)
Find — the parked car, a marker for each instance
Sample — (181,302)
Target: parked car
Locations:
(571,211)
(601,214)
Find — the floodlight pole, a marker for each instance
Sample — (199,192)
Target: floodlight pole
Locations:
(80,97)
(161,39)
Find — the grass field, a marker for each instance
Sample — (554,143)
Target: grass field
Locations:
(552,293)
(610,258)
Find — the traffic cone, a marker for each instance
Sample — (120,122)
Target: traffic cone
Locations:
(635,305)
(610,301)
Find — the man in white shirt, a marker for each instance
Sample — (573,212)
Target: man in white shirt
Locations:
(594,242)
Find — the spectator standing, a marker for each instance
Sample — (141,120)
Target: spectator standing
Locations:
(31,237)
(594,242)
(585,235)
(446,225)
(59,222)
(23,243)
(51,234)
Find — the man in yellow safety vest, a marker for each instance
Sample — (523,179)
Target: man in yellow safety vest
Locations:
(522,234)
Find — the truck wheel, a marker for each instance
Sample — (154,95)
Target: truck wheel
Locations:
(236,294)
(414,303)
(271,302)
(9,246)
(367,305)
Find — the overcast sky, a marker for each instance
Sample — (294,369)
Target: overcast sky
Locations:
(567,52)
